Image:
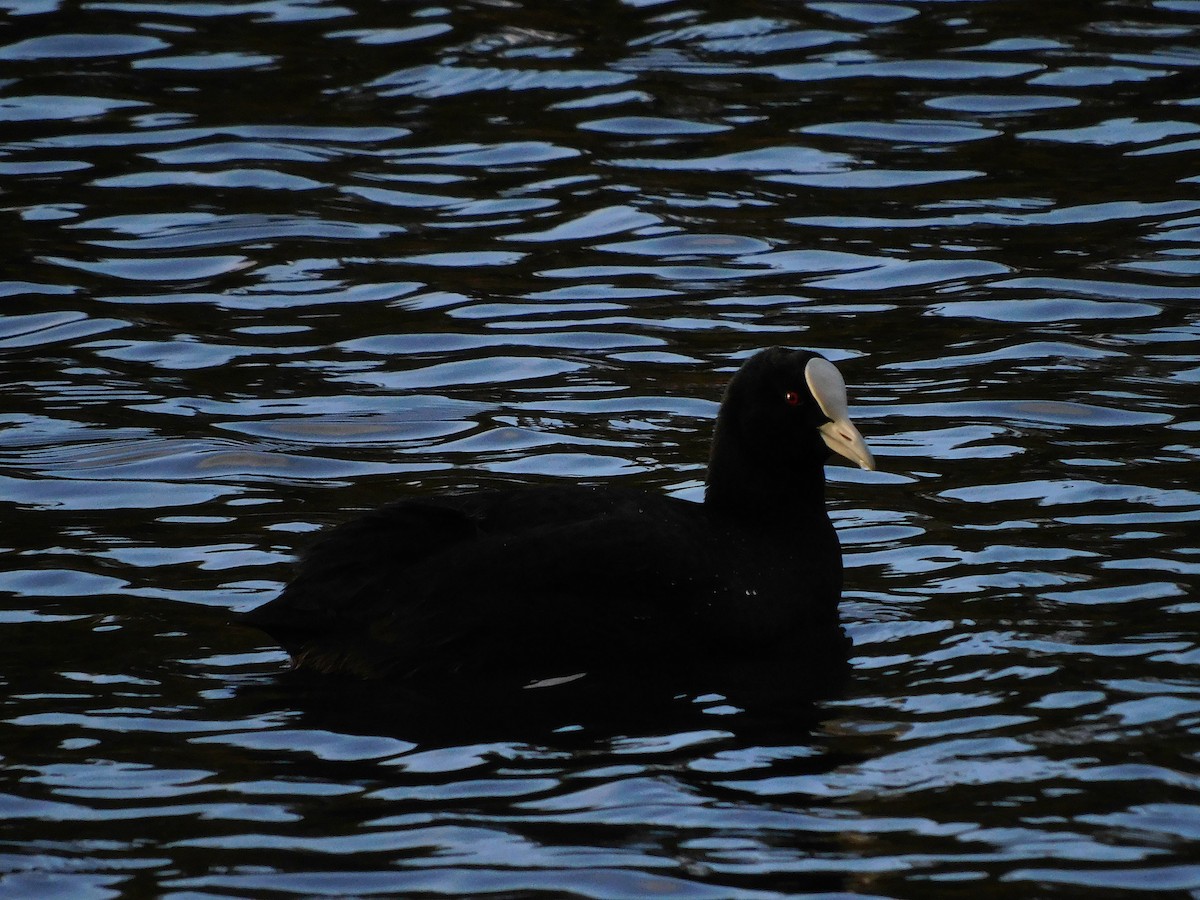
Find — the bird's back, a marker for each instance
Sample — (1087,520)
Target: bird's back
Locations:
(539,582)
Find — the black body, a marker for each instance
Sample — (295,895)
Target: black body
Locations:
(541,582)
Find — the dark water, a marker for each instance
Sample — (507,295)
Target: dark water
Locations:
(264,263)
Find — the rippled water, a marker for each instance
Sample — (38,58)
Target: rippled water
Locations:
(266,263)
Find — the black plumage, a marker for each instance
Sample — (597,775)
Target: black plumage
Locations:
(541,582)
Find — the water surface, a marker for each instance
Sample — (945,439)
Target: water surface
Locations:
(264,264)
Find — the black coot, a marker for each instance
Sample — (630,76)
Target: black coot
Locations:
(546,582)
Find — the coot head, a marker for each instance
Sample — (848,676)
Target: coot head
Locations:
(783,414)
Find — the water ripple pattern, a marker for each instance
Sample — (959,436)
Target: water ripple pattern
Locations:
(266,263)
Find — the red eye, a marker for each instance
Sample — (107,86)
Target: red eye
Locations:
(791,398)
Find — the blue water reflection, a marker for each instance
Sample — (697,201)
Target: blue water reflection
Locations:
(269,263)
